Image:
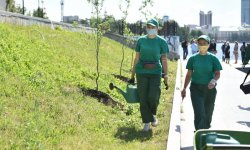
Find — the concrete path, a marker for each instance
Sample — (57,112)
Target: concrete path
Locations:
(232,107)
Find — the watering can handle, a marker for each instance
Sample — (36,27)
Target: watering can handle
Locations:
(131,81)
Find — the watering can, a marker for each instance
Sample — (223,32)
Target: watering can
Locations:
(131,93)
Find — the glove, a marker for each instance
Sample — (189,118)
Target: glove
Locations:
(166,81)
(212,84)
(166,84)
(131,81)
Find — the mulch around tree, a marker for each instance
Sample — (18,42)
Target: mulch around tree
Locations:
(102,98)
(122,78)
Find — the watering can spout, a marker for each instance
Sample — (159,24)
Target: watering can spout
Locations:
(130,95)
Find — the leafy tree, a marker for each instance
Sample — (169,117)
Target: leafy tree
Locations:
(112,22)
(10,6)
(75,23)
(136,28)
(194,34)
(169,28)
(183,32)
(39,12)
(85,22)
(125,30)
(101,27)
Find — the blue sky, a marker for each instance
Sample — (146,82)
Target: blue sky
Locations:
(225,12)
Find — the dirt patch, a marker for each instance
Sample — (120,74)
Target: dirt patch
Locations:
(122,78)
(102,98)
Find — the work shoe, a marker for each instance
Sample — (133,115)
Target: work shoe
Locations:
(146,127)
(155,123)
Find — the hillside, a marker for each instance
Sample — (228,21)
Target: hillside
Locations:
(42,106)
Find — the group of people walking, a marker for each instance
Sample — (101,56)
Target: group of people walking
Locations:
(151,65)
(226,52)
(225,48)
(203,73)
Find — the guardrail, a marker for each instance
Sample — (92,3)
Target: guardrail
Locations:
(121,39)
(19,19)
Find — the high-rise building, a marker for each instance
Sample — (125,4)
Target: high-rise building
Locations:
(205,19)
(70,19)
(245,12)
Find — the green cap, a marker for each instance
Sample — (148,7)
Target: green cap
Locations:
(204,37)
(153,22)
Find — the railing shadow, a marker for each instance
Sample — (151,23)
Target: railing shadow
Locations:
(178,128)
(188,148)
(245,70)
(244,108)
(244,123)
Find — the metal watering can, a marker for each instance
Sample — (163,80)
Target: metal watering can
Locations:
(131,93)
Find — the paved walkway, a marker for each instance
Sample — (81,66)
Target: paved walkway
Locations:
(231,112)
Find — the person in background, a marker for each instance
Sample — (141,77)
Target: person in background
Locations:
(227,52)
(203,72)
(236,53)
(194,46)
(212,47)
(184,45)
(151,58)
(223,48)
(243,52)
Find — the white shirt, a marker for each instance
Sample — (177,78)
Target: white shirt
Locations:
(194,48)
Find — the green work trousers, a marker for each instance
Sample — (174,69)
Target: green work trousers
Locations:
(203,104)
(149,91)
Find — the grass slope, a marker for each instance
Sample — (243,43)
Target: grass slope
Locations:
(42,106)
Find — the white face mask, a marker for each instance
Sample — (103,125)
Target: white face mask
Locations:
(203,49)
(151,31)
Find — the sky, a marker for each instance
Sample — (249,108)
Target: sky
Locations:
(225,12)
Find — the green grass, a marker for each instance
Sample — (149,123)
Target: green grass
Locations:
(42,106)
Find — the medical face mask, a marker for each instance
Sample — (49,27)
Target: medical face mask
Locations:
(152,31)
(203,49)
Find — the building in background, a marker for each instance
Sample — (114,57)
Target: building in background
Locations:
(205,19)
(70,19)
(3,4)
(245,13)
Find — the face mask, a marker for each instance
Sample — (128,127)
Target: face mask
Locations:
(151,31)
(203,49)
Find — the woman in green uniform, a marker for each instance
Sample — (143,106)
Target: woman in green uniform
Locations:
(203,72)
(151,57)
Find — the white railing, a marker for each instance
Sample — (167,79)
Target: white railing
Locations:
(19,19)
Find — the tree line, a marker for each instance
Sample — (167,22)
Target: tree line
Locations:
(12,7)
(169,28)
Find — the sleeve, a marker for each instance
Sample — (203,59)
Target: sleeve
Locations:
(138,46)
(216,64)
(164,47)
(189,65)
